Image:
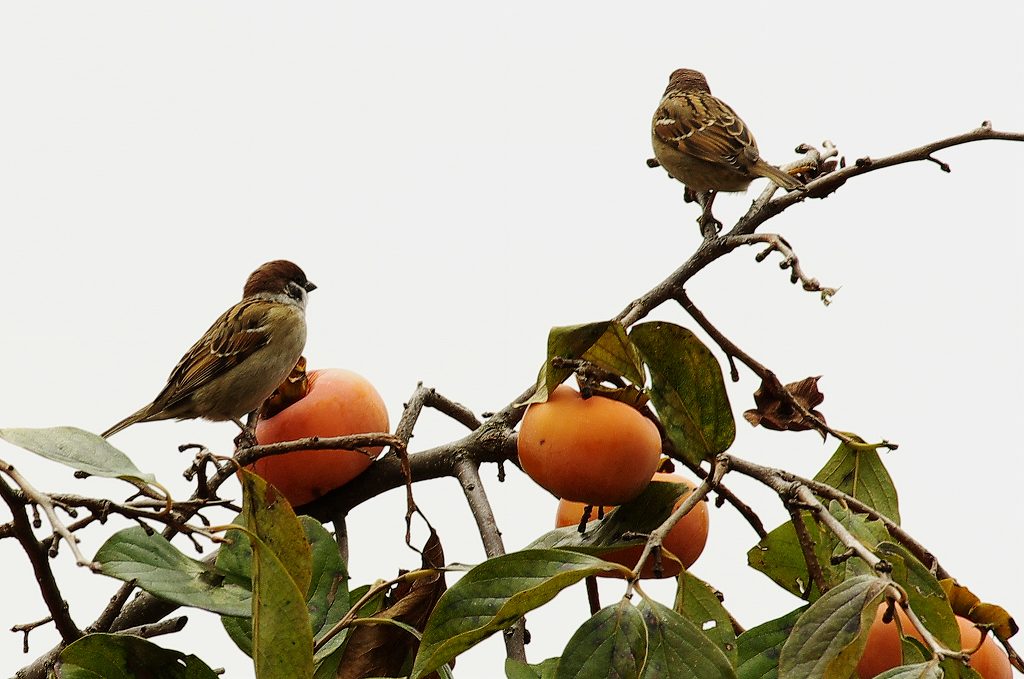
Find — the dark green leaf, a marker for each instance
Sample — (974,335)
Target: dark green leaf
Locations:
(687,390)
(760,647)
(545,669)
(642,515)
(282,641)
(494,595)
(119,656)
(868,532)
(860,473)
(78,449)
(612,643)
(569,342)
(954,669)
(828,639)
(927,598)
(269,516)
(615,353)
(159,568)
(698,602)
(327,599)
(677,649)
(926,670)
(780,558)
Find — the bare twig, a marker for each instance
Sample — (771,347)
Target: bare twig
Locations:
(168,626)
(766,375)
(26,629)
(781,481)
(726,495)
(468,473)
(807,548)
(44,501)
(656,537)
(777,243)
(55,603)
(358,442)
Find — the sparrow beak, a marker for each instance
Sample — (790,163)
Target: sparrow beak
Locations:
(309,287)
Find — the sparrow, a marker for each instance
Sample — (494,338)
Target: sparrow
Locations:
(244,356)
(700,140)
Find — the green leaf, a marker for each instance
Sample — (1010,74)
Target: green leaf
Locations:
(272,518)
(494,595)
(327,598)
(779,556)
(282,640)
(677,649)
(698,602)
(760,647)
(615,353)
(927,598)
(571,342)
(78,449)
(860,473)
(828,639)
(514,669)
(869,532)
(119,656)
(927,670)
(612,643)
(687,390)
(641,515)
(954,669)
(160,569)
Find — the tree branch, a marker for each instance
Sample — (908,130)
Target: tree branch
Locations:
(468,473)
(55,603)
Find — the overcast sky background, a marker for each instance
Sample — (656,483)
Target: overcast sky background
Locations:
(458,177)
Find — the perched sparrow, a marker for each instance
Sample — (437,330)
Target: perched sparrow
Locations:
(244,356)
(701,142)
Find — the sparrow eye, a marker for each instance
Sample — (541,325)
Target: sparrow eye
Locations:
(295,291)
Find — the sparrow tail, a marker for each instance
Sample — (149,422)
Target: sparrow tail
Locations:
(138,416)
(783,179)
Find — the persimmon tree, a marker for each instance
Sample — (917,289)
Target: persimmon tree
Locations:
(278,577)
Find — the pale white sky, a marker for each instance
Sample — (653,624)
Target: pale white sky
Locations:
(457,177)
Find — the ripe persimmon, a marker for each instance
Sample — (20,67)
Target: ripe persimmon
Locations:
(884,651)
(685,541)
(595,450)
(337,403)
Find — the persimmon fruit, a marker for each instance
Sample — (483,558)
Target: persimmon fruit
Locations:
(685,541)
(337,403)
(596,450)
(883,650)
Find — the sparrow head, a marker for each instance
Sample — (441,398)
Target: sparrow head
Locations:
(279,277)
(687,80)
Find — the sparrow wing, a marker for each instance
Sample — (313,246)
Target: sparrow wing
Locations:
(236,335)
(702,125)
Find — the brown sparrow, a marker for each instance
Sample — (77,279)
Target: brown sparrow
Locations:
(244,356)
(701,142)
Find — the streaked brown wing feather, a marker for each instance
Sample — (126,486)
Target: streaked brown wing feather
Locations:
(232,338)
(705,127)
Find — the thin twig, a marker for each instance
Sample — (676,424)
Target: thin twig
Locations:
(726,495)
(658,534)
(468,474)
(807,547)
(766,375)
(55,603)
(44,501)
(777,243)
(26,629)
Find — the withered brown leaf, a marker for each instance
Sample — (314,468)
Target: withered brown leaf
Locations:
(774,410)
(382,650)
